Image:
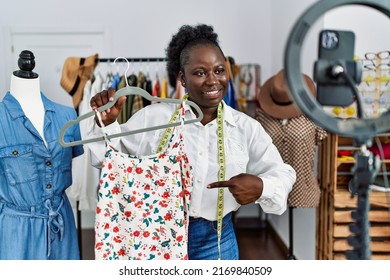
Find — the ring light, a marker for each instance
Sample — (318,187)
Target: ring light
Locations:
(359,129)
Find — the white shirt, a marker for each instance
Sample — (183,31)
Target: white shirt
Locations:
(248,149)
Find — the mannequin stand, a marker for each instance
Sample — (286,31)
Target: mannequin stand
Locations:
(291,239)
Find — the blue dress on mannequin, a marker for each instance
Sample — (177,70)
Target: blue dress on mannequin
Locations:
(36,218)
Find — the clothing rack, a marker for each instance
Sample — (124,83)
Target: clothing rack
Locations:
(135,59)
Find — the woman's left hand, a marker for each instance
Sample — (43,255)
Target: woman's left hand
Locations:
(245,188)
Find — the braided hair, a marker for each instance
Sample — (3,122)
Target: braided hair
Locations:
(188,36)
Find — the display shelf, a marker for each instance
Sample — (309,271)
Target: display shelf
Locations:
(337,204)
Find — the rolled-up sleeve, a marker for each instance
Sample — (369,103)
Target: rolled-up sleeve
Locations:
(277,176)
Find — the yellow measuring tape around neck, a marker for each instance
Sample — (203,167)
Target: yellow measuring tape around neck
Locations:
(221,162)
(168,131)
(221,174)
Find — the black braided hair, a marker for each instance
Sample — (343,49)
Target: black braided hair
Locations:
(188,36)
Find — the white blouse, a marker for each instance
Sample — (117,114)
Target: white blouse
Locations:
(248,149)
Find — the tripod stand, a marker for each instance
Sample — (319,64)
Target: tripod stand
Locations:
(365,170)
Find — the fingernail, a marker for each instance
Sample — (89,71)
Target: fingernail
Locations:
(108,110)
(111,99)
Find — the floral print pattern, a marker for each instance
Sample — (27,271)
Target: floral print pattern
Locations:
(142,210)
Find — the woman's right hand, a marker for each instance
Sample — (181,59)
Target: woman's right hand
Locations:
(111,114)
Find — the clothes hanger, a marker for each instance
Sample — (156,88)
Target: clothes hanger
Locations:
(127,90)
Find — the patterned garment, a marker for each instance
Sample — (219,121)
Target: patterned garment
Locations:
(142,211)
(296,140)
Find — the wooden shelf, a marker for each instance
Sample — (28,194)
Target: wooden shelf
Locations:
(336,205)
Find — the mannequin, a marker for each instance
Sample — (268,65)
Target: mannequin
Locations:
(25,87)
(36,218)
(296,138)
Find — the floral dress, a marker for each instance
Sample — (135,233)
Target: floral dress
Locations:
(142,210)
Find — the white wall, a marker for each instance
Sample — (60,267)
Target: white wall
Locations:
(143,28)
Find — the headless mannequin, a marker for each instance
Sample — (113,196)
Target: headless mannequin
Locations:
(25,87)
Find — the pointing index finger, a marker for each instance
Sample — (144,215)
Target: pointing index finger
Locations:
(220,184)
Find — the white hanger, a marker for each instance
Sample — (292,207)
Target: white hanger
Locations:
(127,90)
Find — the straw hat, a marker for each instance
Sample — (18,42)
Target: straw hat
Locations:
(75,73)
(275,100)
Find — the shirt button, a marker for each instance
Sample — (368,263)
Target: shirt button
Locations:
(15,153)
(48,163)
(48,186)
(198,180)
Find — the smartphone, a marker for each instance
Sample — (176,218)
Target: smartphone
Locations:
(335,46)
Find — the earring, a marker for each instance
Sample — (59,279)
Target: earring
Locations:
(184,84)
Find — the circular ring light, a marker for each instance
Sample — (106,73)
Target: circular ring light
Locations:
(361,130)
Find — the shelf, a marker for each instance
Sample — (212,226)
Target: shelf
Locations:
(343,199)
(336,204)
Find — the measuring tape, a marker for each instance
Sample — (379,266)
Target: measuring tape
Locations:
(168,131)
(221,162)
(221,175)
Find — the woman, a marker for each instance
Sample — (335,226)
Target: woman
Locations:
(246,165)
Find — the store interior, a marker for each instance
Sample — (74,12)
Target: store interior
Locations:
(254,34)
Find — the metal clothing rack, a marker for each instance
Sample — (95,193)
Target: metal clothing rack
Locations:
(130,59)
(135,59)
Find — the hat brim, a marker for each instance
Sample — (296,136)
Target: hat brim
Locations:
(280,111)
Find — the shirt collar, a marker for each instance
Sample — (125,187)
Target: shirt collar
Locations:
(16,111)
(227,113)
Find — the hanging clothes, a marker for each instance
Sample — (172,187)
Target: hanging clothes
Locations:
(142,212)
(230,98)
(85,177)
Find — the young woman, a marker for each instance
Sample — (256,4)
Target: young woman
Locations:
(233,159)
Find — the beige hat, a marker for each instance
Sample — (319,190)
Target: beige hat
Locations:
(75,73)
(275,100)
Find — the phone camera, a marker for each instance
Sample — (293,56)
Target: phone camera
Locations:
(329,40)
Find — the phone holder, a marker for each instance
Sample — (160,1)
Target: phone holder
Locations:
(327,74)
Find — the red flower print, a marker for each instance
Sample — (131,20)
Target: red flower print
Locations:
(129,169)
(99,245)
(107,226)
(153,248)
(161,182)
(111,176)
(139,170)
(115,229)
(101,182)
(117,239)
(121,252)
(98,210)
(167,256)
(109,165)
(136,233)
(162,204)
(146,234)
(139,204)
(115,190)
(133,198)
(147,187)
(127,214)
(165,195)
(168,217)
(179,238)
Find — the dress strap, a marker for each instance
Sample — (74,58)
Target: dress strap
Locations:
(99,117)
